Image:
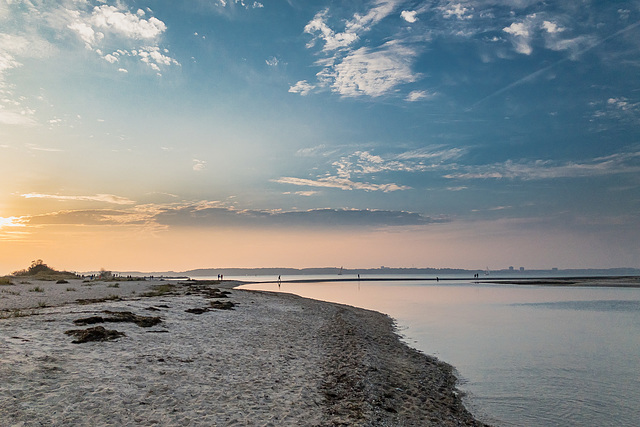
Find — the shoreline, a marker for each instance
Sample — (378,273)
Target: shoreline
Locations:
(273,359)
(577,281)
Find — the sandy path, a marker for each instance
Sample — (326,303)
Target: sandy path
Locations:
(273,360)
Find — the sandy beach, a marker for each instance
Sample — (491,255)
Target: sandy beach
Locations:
(205,354)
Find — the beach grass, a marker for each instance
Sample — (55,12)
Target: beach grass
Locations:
(7,314)
(160,290)
(36,289)
(4,281)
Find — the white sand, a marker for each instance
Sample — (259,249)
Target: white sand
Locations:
(276,360)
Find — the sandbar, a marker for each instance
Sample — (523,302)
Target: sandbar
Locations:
(261,359)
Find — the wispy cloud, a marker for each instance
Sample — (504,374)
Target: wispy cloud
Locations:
(106,198)
(618,163)
(199,165)
(420,95)
(354,171)
(341,183)
(618,109)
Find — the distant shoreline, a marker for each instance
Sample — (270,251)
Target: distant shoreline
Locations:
(389,271)
(578,281)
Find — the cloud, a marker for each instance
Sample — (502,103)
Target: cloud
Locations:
(552,27)
(341,183)
(435,153)
(372,72)
(418,95)
(125,23)
(86,33)
(321,31)
(349,171)
(21,117)
(575,46)
(136,34)
(207,214)
(106,198)
(242,3)
(194,216)
(366,70)
(12,46)
(317,151)
(35,147)
(86,217)
(522,35)
(409,16)
(355,26)
(456,10)
(302,87)
(614,164)
(617,109)
(364,163)
(272,61)
(199,165)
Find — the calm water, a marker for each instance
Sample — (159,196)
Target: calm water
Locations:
(525,355)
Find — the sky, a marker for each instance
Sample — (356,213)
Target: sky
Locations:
(169,135)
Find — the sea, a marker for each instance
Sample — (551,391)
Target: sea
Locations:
(525,355)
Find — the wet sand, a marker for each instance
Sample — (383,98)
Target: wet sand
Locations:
(266,359)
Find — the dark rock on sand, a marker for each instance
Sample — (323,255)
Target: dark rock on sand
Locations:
(97,333)
(222,305)
(127,316)
(196,310)
(89,320)
(120,316)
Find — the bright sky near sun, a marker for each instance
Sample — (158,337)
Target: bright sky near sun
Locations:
(163,134)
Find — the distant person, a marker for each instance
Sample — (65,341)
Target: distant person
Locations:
(279,281)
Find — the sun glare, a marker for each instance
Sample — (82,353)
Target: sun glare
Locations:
(12,221)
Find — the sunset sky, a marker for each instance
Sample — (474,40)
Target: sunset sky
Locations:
(170,135)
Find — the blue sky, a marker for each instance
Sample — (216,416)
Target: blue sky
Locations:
(450,133)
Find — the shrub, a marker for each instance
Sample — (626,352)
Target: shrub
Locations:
(40,270)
